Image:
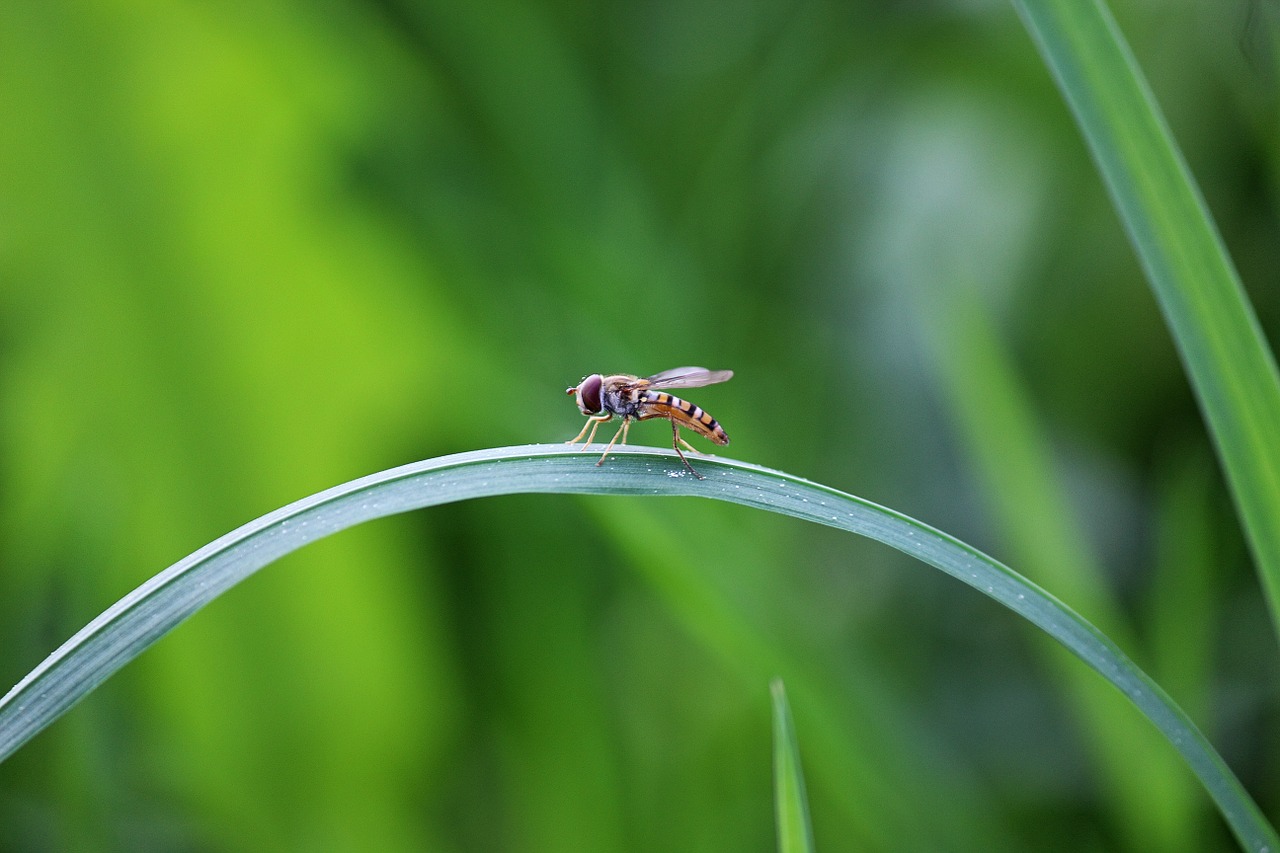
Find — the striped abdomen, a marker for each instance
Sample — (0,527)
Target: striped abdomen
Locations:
(659,404)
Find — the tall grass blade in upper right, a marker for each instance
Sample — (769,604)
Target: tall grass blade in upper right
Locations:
(1225,354)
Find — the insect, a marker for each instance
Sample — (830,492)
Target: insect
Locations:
(632,398)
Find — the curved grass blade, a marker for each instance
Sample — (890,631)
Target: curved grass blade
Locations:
(132,624)
(790,802)
(1231,367)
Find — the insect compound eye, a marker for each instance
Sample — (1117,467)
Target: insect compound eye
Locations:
(589,394)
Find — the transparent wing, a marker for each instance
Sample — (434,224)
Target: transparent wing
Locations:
(688,377)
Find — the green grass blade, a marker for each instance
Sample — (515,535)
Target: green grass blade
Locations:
(128,627)
(790,803)
(1231,368)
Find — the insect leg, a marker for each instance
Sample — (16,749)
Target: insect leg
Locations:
(593,423)
(689,447)
(675,444)
(595,426)
(626,422)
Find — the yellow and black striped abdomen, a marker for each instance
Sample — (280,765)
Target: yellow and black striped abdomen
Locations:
(658,404)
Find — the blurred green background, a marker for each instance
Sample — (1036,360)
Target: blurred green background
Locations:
(248,251)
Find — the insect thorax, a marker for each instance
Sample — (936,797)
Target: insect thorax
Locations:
(621,402)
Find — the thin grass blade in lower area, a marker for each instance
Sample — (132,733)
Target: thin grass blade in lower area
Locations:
(790,802)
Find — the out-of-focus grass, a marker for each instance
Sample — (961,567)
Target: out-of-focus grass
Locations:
(1026,488)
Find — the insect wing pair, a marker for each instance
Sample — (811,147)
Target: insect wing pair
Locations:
(601,397)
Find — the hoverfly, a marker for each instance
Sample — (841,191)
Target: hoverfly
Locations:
(632,398)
